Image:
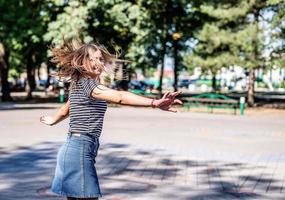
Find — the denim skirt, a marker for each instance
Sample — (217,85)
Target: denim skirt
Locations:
(75,173)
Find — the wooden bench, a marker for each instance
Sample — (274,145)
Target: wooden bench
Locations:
(211,101)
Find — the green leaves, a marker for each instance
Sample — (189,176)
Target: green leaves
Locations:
(233,29)
(227,11)
(224,32)
(70,23)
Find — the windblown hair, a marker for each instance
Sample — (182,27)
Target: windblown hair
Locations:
(73,57)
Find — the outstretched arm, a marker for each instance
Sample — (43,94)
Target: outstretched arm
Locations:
(128,98)
(62,114)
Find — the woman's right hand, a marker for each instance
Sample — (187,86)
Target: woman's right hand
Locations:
(47,120)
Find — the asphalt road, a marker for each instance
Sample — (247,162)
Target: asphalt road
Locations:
(151,154)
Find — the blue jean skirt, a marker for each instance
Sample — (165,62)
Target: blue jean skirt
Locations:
(75,173)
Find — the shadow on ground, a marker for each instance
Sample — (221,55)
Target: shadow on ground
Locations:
(126,172)
(26,106)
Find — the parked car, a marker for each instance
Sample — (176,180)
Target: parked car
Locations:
(183,83)
(140,85)
(42,82)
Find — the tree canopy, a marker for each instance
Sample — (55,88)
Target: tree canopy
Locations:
(209,34)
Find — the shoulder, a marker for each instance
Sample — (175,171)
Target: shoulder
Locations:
(88,84)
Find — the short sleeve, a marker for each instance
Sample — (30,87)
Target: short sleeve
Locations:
(88,85)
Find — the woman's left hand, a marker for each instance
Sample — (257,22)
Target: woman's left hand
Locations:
(47,120)
(167,101)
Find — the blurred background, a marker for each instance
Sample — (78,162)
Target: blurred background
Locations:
(226,56)
(230,47)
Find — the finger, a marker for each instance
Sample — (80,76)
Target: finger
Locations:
(178,101)
(172,109)
(177,93)
(174,94)
(165,95)
(170,98)
(171,95)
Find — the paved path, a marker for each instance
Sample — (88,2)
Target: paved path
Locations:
(149,154)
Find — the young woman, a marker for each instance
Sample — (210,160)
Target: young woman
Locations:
(75,174)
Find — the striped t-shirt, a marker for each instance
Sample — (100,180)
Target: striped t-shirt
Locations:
(86,112)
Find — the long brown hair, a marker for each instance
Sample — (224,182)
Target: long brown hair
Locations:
(73,58)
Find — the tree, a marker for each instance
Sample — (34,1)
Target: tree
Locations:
(4,66)
(118,21)
(112,23)
(22,26)
(252,40)
(34,22)
(169,25)
(71,22)
(185,20)
(214,49)
(6,46)
(277,33)
(234,35)
(142,29)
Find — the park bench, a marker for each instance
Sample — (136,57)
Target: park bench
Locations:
(144,93)
(211,101)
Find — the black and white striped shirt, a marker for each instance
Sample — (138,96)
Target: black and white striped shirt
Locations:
(86,112)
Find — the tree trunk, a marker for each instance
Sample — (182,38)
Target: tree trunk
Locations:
(4,66)
(39,72)
(31,76)
(161,69)
(214,83)
(48,75)
(125,75)
(144,71)
(176,63)
(162,55)
(250,92)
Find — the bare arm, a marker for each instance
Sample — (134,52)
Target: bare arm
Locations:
(62,114)
(128,98)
